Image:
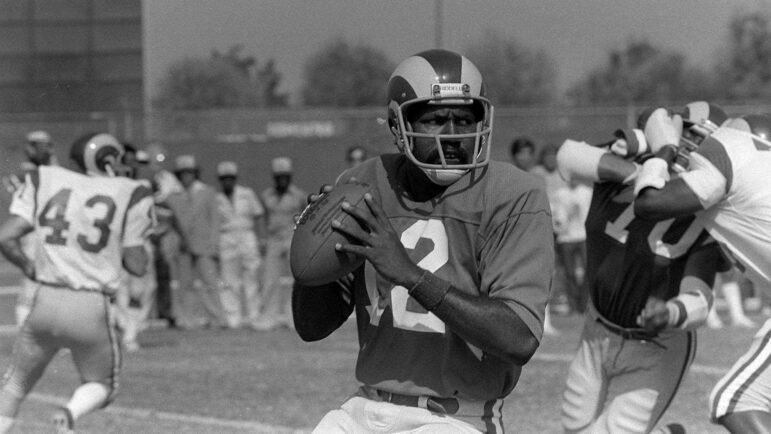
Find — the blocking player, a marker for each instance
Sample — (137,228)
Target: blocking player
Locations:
(650,287)
(729,184)
(459,256)
(84,230)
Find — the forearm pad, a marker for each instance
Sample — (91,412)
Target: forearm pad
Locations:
(430,290)
(629,143)
(579,160)
(689,309)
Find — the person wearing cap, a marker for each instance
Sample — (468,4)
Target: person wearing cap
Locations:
(195,209)
(241,243)
(355,155)
(282,201)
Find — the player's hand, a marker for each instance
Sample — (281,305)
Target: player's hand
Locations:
(380,243)
(654,316)
(662,129)
(313,197)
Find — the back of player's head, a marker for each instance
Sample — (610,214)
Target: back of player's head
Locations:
(97,154)
(520,143)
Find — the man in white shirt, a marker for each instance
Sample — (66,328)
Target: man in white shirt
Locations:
(240,248)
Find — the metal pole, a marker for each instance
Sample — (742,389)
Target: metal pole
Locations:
(438,23)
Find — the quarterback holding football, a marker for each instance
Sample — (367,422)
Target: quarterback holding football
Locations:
(458,257)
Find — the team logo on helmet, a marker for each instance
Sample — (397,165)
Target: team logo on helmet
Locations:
(97,154)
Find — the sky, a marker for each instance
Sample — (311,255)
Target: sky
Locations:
(576,34)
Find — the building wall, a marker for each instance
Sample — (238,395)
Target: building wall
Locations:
(70,55)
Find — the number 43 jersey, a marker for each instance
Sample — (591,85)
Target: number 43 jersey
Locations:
(81,224)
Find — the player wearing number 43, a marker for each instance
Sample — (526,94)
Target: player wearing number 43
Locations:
(84,231)
(650,287)
(459,255)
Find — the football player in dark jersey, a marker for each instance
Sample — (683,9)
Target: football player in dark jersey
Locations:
(650,287)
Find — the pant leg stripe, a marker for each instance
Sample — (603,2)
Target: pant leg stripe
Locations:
(116,350)
(689,355)
(737,374)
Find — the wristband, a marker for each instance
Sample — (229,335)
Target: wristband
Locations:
(429,290)
(629,143)
(674,314)
(654,173)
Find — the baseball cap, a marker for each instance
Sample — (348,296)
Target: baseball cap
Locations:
(185,162)
(281,165)
(39,136)
(227,168)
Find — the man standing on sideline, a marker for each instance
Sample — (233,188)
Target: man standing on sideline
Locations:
(195,208)
(39,152)
(283,202)
(87,226)
(242,244)
(459,256)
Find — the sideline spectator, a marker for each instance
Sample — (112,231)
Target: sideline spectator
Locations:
(569,211)
(39,152)
(196,210)
(282,201)
(355,155)
(241,248)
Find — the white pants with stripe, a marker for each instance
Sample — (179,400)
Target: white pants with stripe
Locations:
(747,385)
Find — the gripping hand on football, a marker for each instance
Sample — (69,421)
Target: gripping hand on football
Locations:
(379,243)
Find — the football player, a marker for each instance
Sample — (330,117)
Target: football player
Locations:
(728,184)
(84,232)
(650,287)
(459,256)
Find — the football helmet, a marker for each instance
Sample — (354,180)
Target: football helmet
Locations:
(439,77)
(700,119)
(758,125)
(97,154)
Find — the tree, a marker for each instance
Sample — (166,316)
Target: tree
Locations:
(642,73)
(748,66)
(344,75)
(513,74)
(224,80)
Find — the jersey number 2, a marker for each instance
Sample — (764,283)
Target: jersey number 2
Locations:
(403,318)
(53,216)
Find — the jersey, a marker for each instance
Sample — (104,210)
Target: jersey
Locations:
(489,234)
(81,224)
(630,259)
(731,175)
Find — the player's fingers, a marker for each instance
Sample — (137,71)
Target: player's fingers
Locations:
(353,230)
(364,218)
(374,207)
(352,248)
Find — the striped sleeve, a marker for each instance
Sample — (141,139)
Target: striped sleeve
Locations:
(24,198)
(710,173)
(140,217)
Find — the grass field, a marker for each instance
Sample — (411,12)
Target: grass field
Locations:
(220,381)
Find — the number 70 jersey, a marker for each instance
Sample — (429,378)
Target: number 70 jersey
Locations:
(81,225)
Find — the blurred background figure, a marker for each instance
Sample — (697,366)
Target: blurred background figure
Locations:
(523,153)
(729,294)
(195,208)
(282,201)
(134,300)
(570,208)
(355,155)
(38,151)
(243,232)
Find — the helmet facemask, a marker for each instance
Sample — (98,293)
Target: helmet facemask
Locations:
(445,173)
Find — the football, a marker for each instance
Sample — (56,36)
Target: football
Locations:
(312,255)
